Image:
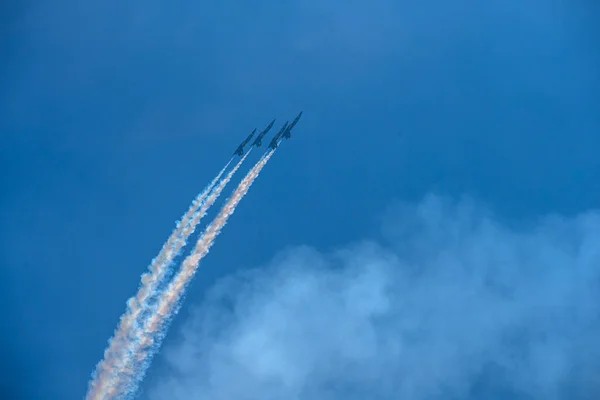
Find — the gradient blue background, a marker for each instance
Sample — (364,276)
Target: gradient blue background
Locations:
(114,115)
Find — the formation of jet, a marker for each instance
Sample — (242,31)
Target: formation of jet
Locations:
(240,150)
(284,132)
(288,132)
(258,141)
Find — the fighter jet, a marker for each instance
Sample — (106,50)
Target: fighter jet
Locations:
(258,141)
(273,145)
(288,132)
(240,150)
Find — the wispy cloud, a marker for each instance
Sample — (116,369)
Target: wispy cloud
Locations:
(456,305)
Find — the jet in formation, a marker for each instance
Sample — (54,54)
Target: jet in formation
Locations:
(284,132)
(275,142)
(240,150)
(288,132)
(258,141)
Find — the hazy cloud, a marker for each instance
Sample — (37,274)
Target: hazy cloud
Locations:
(457,305)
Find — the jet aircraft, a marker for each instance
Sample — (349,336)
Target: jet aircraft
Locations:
(288,132)
(240,150)
(258,141)
(273,145)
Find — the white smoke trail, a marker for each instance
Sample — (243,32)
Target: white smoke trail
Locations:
(157,269)
(156,324)
(160,265)
(118,371)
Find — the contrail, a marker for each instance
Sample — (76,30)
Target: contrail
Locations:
(160,264)
(149,282)
(156,324)
(110,371)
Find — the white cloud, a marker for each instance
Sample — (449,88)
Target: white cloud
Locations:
(457,305)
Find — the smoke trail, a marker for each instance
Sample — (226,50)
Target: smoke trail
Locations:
(156,324)
(160,264)
(115,370)
(149,280)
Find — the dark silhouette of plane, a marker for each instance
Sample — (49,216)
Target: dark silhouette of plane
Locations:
(273,145)
(288,132)
(240,150)
(258,141)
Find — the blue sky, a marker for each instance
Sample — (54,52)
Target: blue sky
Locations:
(115,115)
